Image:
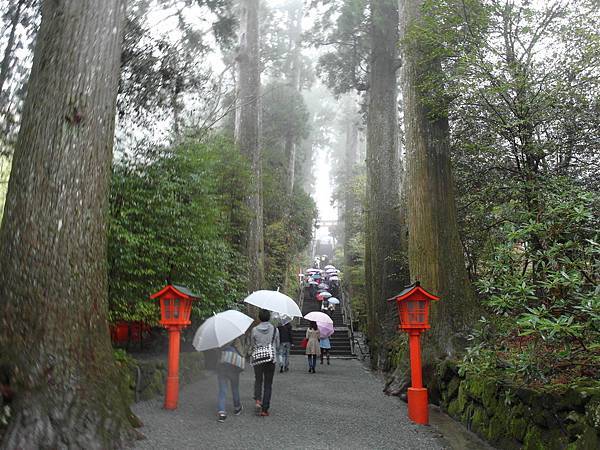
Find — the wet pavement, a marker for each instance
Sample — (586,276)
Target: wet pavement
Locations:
(341,406)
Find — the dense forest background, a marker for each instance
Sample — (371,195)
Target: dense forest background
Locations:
(464,141)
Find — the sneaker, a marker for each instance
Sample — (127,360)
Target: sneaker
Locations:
(221,416)
(238,411)
(264,413)
(258,407)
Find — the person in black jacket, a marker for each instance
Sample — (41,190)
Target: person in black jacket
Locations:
(285,344)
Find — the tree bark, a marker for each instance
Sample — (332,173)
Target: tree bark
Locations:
(247,134)
(293,76)
(383,233)
(435,253)
(53,280)
(349,212)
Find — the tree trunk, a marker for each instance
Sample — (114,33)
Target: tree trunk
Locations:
(349,211)
(247,134)
(383,233)
(8,51)
(293,76)
(53,280)
(435,253)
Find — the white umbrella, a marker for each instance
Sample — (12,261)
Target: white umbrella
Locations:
(331,271)
(325,294)
(220,329)
(318,317)
(274,301)
(333,301)
(329,266)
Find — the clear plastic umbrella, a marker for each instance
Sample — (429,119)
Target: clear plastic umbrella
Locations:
(274,301)
(333,301)
(220,329)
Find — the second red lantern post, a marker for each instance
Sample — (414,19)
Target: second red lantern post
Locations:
(413,314)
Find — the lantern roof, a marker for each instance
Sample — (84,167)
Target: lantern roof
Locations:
(413,289)
(180,291)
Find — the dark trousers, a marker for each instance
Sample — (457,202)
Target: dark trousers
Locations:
(263,375)
(312,361)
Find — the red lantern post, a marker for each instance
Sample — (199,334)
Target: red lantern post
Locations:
(175,307)
(413,314)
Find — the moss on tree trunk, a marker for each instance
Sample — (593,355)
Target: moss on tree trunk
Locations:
(434,249)
(53,280)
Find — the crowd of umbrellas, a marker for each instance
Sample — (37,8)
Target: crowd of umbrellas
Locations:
(224,327)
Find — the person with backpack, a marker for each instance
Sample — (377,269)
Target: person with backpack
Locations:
(264,340)
(230,364)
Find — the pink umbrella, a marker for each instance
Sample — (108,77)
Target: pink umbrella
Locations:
(326,329)
(317,316)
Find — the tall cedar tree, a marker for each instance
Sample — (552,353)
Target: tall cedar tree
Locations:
(435,253)
(53,280)
(383,237)
(247,133)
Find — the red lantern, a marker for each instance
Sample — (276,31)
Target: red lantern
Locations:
(413,307)
(175,308)
(413,314)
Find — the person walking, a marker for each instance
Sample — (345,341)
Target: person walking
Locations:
(285,344)
(325,345)
(264,335)
(312,346)
(229,366)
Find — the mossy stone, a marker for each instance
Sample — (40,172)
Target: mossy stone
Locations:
(480,421)
(454,409)
(489,395)
(448,370)
(554,439)
(517,428)
(462,396)
(452,389)
(498,426)
(592,413)
(533,439)
(475,388)
(575,423)
(467,415)
(587,441)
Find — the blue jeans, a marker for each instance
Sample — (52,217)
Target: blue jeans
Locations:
(312,361)
(284,354)
(226,375)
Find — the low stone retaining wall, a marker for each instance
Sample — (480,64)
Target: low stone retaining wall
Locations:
(513,417)
(148,376)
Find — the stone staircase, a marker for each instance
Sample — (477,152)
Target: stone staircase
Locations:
(340,340)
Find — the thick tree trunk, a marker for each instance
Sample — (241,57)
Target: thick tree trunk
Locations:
(293,77)
(53,279)
(434,250)
(247,134)
(349,212)
(383,233)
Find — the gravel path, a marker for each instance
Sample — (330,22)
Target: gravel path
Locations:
(341,406)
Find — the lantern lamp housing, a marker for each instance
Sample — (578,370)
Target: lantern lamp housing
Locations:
(175,305)
(413,307)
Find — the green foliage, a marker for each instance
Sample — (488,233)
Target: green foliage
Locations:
(177,218)
(542,275)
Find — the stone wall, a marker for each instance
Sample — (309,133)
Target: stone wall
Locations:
(148,376)
(515,417)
